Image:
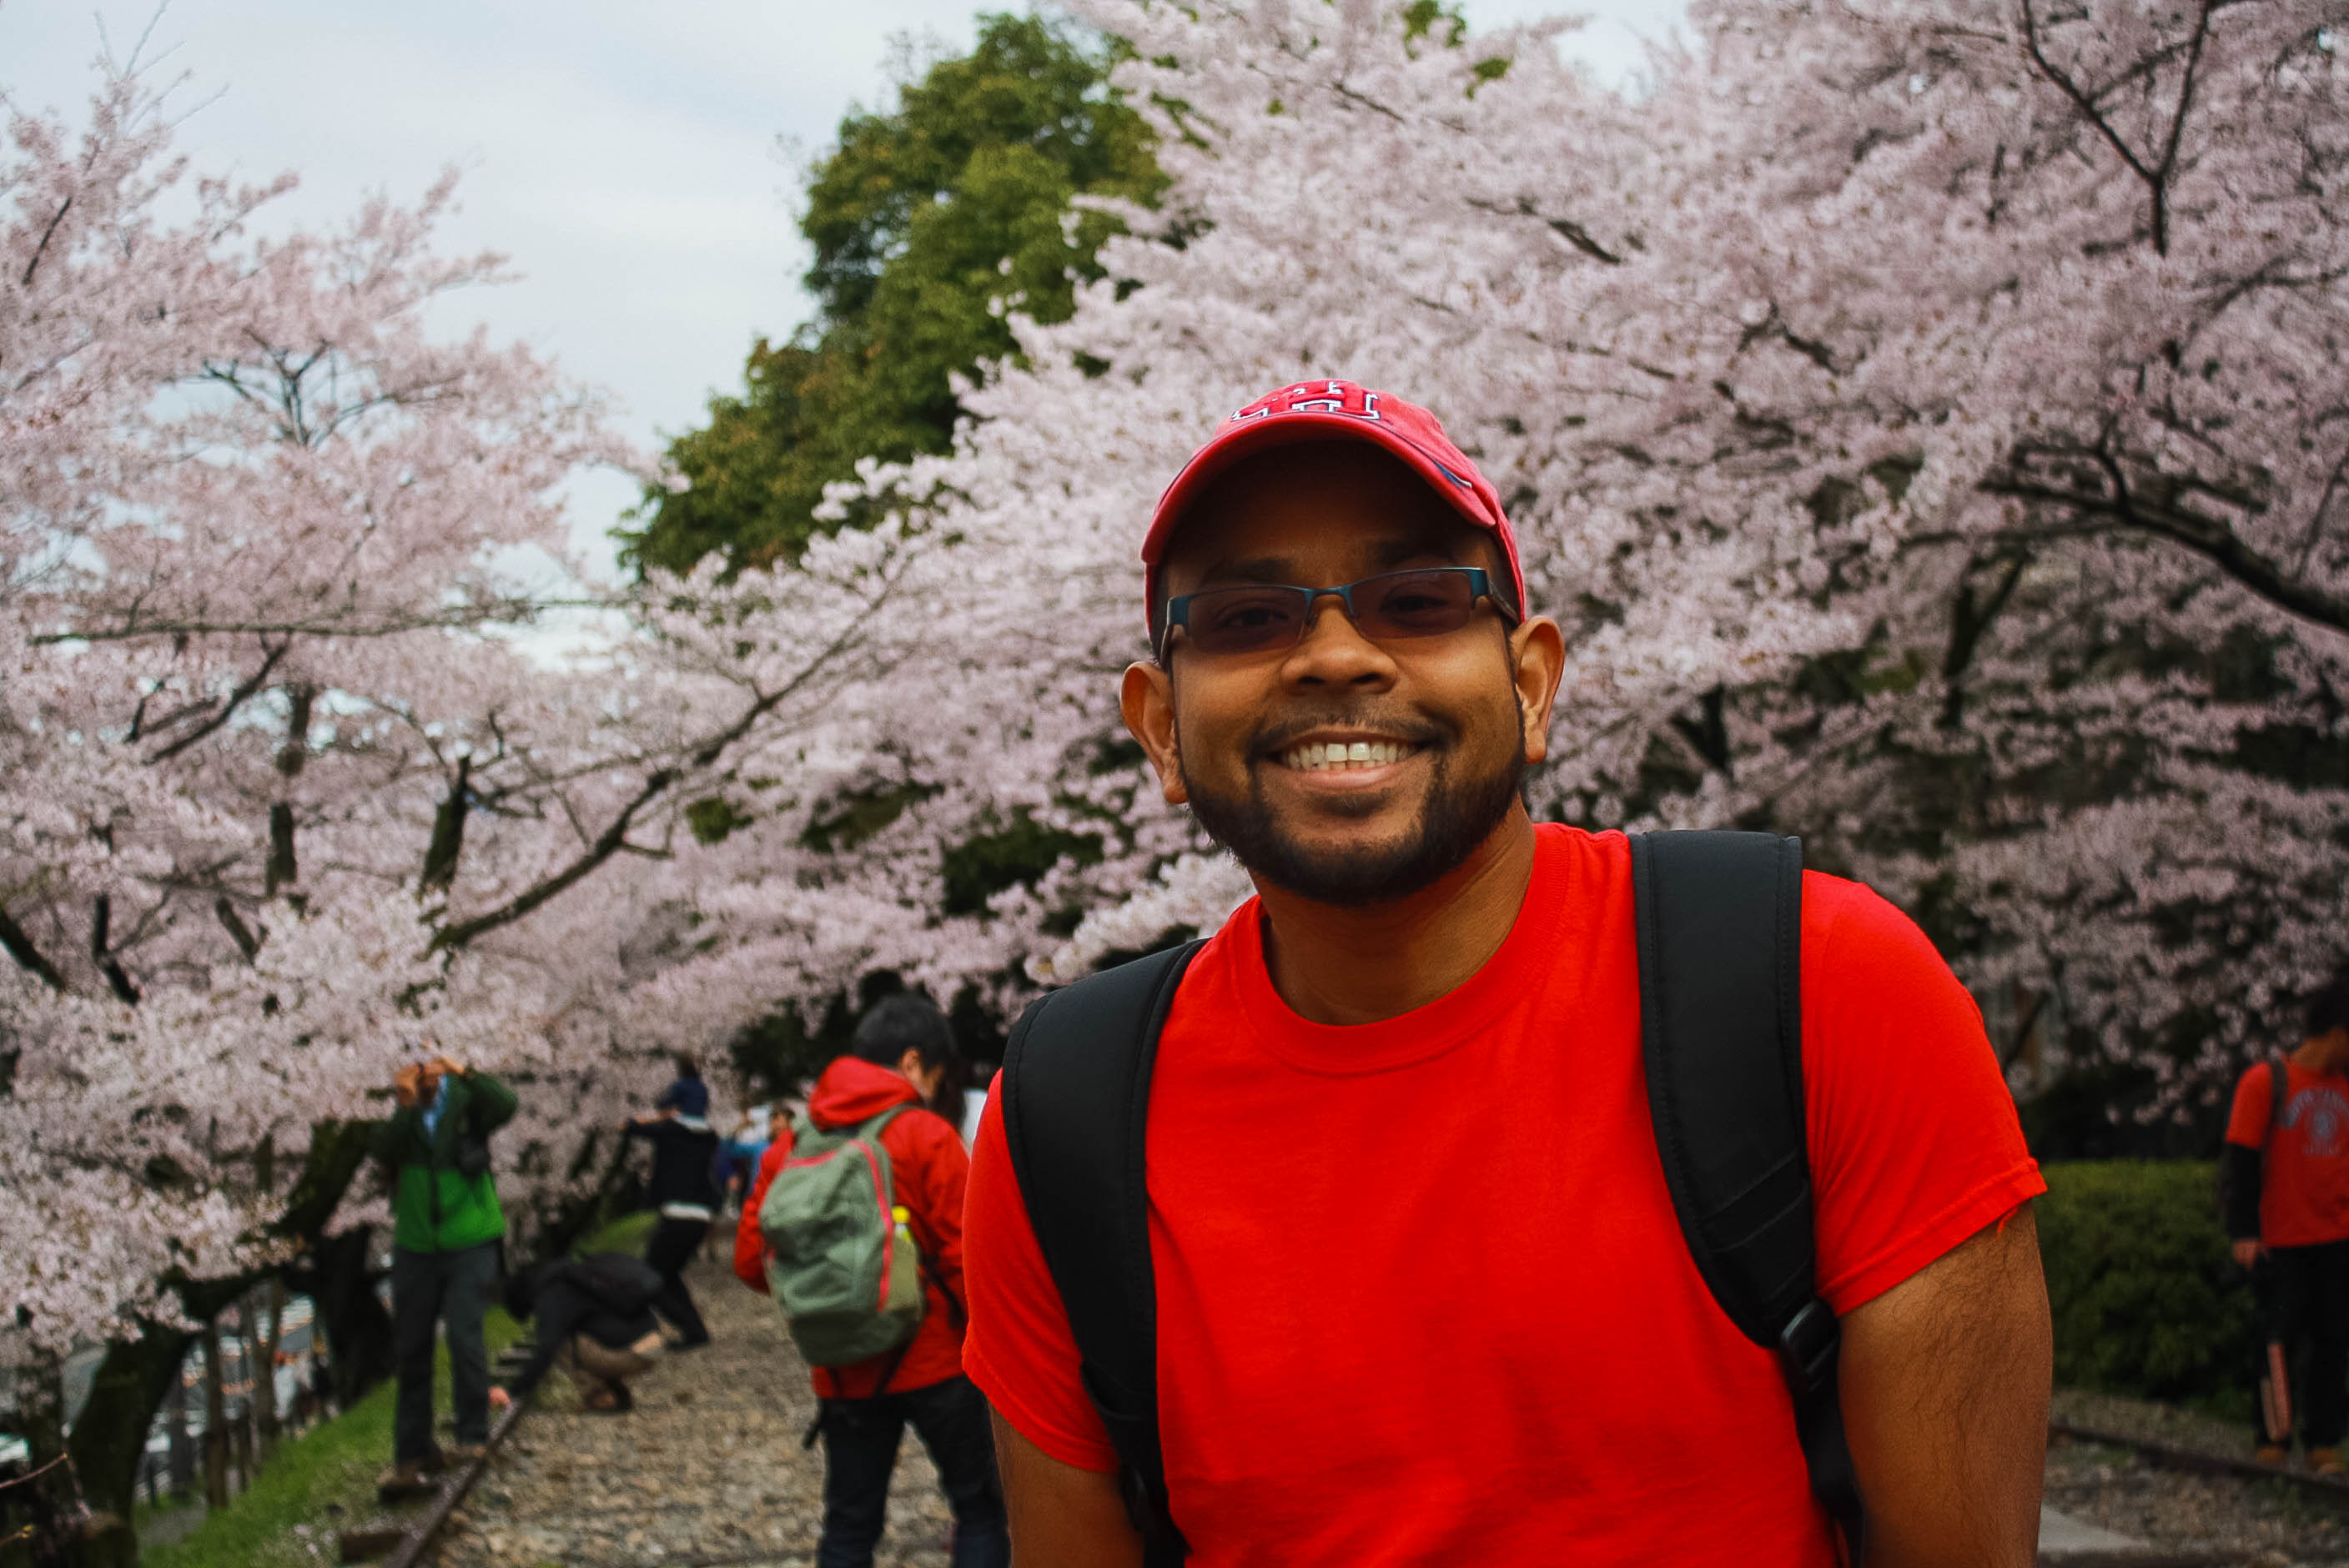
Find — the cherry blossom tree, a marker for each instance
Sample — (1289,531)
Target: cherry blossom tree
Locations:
(1922,416)
(290,795)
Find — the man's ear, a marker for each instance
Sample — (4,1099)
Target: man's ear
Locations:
(1538,661)
(1147,700)
(908,1062)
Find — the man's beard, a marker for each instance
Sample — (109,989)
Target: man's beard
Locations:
(1459,813)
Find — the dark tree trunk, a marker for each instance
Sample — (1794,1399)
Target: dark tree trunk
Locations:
(239,1391)
(267,1416)
(181,1455)
(335,1277)
(215,1421)
(573,1218)
(111,1439)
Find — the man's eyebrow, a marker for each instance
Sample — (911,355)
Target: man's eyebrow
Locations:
(1397,552)
(1384,554)
(1263,569)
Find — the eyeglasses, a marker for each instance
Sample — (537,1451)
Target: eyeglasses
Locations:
(1258,618)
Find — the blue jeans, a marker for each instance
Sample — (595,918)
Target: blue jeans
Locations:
(454,1288)
(860,1450)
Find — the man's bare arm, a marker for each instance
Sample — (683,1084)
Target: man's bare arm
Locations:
(1062,1517)
(1945,1382)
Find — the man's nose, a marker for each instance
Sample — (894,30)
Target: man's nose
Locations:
(1333,651)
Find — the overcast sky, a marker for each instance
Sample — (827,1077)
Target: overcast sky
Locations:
(638,161)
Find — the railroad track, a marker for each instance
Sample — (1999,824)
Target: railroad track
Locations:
(404,1544)
(2329,1493)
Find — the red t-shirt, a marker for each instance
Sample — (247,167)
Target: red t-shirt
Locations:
(2305,1190)
(1422,1295)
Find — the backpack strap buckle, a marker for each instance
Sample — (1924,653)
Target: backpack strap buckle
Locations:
(1807,1347)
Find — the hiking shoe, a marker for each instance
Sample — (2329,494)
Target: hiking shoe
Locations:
(2326,1461)
(406,1476)
(2270,1454)
(463,1453)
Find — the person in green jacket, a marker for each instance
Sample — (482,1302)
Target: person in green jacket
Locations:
(446,1228)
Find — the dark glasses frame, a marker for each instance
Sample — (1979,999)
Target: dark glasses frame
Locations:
(1480,588)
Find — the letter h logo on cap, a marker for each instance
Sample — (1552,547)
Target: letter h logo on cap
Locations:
(1312,397)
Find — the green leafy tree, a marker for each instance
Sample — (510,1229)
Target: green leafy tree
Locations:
(931,222)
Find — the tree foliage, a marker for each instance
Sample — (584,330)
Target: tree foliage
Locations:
(930,222)
(1924,419)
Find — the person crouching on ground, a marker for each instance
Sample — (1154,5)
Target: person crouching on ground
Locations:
(684,1189)
(902,1053)
(446,1230)
(595,1320)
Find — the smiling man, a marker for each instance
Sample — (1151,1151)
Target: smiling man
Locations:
(1413,1289)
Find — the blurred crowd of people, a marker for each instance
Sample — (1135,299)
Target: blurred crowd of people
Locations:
(871,1261)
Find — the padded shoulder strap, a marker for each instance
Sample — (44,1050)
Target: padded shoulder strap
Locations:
(1076,1104)
(2279,1098)
(1719,919)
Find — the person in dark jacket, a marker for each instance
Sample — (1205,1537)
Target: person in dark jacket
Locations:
(593,1320)
(684,1189)
(446,1230)
(686,1095)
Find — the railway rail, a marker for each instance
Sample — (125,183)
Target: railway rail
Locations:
(2226,1514)
(2331,1491)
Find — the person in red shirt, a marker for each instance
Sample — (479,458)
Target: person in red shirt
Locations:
(1421,1294)
(901,1053)
(2288,1212)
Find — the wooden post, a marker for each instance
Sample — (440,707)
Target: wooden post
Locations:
(266,1415)
(215,1421)
(180,1454)
(241,1386)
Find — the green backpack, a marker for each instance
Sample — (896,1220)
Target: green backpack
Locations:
(840,1263)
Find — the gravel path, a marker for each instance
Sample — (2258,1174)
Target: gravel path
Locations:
(2270,1524)
(706,1469)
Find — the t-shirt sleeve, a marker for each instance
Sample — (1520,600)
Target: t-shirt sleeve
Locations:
(1915,1143)
(1019,1350)
(2247,1122)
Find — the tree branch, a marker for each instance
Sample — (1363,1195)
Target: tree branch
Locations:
(447,841)
(456,619)
(47,236)
(2204,536)
(117,980)
(20,947)
(608,843)
(236,699)
(1969,619)
(238,932)
(1572,233)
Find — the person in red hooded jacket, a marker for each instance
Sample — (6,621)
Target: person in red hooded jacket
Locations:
(901,1054)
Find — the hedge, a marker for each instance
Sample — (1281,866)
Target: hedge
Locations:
(2146,1298)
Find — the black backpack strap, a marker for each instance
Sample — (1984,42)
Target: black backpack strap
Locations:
(1076,1104)
(2279,1102)
(1719,920)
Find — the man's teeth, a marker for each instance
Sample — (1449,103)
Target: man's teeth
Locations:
(1320,756)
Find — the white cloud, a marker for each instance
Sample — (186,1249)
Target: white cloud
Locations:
(624,155)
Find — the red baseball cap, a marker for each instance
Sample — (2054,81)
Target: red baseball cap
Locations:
(1318,410)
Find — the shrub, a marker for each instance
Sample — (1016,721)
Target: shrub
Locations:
(2146,1301)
